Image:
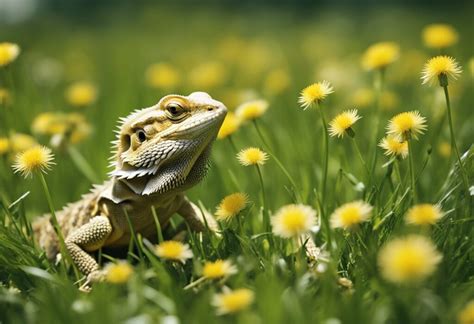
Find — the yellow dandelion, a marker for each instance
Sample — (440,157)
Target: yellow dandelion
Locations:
(162,76)
(407,125)
(233,301)
(408,259)
(231,205)
(218,269)
(251,109)
(393,146)
(38,158)
(208,75)
(49,123)
(440,68)
(252,156)
(173,250)
(389,100)
(363,98)
(276,81)
(351,214)
(439,36)
(5,97)
(81,94)
(4,145)
(380,55)
(444,149)
(230,125)
(20,142)
(466,315)
(315,93)
(342,123)
(293,220)
(118,273)
(8,53)
(424,214)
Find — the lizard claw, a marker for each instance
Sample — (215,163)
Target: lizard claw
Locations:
(94,276)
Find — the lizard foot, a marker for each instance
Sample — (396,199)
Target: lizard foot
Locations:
(94,276)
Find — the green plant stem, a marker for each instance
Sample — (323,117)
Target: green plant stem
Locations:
(264,204)
(359,154)
(378,88)
(325,153)
(231,141)
(453,138)
(412,171)
(82,164)
(57,228)
(278,162)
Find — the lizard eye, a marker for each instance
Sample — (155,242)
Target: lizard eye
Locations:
(174,111)
(141,135)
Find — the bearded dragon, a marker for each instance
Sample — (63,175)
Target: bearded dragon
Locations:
(159,153)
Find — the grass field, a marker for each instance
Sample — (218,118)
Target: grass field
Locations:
(128,59)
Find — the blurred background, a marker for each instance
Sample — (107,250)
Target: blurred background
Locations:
(101,59)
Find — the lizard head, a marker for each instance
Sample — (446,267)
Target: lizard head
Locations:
(166,146)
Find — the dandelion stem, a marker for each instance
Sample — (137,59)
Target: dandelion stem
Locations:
(232,143)
(359,154)
(278,162)
(57,228)
(453,139)
(325,153)
(264,204)
(378,87)
(412,170)
(82,164)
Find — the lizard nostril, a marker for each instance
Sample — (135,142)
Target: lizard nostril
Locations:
(210,108)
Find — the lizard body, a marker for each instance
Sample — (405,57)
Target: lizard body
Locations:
(160,152)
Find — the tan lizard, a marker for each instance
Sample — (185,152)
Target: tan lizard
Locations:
(160,152)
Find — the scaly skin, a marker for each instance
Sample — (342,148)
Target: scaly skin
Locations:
(160,152)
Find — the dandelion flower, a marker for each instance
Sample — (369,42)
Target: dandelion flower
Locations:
(466,315)
(439,68)
(218,269)
(118,273)
(252,156)
(162,76)
(393,146)
(4,145)
(233,301)
(293,220)
(439,36)
(380,55)
(38,158)
(424,214)
(363,98)
(8,53)
(351,214)
(230,125)
(5,97)
(408,259)
(444,149)
(315,92)
(252,109)
(81,94)
(407,125)
(276,81)
(208,75)
(20,142)
(231,205)
(173,250)
(343,123)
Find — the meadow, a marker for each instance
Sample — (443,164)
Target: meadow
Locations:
(285,75)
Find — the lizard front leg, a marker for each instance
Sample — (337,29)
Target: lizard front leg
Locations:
(197,218)
(88,237)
